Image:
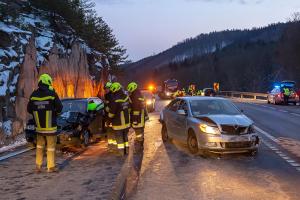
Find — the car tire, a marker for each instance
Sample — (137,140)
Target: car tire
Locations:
(252,153)
(164,133)
(192,143)
(85,138)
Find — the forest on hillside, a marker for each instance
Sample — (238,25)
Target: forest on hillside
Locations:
(243,60)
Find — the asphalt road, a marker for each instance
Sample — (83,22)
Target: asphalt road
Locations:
(90,175)
(169,171)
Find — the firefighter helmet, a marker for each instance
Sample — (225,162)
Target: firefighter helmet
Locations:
(132,86)
(115,87)
(108,85)
(46,79)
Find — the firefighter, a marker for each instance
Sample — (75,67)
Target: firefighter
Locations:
(45,105)
(111,140)
(286,95)
(138,114)
(119,117)
(199,93)
(192,90)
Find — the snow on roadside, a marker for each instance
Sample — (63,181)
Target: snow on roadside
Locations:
(20,141)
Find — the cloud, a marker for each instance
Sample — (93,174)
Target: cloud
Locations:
(231,1)
(110,2)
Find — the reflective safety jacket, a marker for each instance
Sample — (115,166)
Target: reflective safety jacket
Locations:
(44,104)
(107,99)
(138,110)
(286,91)
(119,115)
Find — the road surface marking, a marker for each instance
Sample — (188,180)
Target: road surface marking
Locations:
(295,164)
(283,111)
(286,158)
(266,134)
(295,114)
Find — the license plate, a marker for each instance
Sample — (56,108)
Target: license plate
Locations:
(239,138)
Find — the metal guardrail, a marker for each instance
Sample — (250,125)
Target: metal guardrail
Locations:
(244,95)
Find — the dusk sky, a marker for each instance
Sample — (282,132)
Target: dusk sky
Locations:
(147,27)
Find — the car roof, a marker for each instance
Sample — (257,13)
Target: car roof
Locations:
(189,98)
(78,99)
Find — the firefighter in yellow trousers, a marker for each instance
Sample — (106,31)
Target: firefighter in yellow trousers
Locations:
(138,114)
(45,105)
(119,117)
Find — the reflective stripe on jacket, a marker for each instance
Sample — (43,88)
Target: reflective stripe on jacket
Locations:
(137,109)
(119,111)
(44,105)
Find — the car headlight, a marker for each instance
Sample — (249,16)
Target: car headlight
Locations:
(168,94)
(149,102)
(209,129)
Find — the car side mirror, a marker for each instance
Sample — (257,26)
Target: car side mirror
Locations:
(181,112)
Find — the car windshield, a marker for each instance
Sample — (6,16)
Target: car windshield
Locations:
(147,95)
(213,107)
(74,106)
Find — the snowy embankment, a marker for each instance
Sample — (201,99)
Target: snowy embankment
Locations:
(19,141)
(50,35)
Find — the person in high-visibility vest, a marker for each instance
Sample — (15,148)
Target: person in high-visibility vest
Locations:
(138,113)
(119,117)
(192,90)
(108,97)
(45,105)
(286,95)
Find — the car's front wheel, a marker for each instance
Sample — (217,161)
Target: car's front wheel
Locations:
(85,138)
(192,143)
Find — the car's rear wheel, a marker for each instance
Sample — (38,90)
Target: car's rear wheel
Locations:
(85,138)
(164,133)
(192,143)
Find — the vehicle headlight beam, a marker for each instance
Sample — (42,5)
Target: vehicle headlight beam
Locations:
(209,129)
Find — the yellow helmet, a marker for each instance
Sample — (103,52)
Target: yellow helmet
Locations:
(132,86)
(108,85)
(46,79)
(115,87)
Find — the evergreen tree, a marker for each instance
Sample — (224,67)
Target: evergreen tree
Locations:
(81,16)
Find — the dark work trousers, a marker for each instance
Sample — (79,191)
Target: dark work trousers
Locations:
(286,99)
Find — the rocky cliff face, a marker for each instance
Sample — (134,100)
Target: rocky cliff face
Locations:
(34,42)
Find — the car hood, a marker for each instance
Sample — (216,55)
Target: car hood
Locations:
(240,120)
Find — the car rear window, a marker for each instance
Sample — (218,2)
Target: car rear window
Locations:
(74,106)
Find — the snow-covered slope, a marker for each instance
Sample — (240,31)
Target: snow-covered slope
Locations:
(33,42)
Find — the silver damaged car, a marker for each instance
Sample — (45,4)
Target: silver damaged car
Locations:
(208,124)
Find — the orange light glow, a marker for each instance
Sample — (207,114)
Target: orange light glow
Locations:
(70,87)
(70,90)
(151,87)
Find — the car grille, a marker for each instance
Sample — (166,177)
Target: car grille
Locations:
(234,130)
(231,145)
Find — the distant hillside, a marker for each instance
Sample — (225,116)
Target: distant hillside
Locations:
(238,59)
